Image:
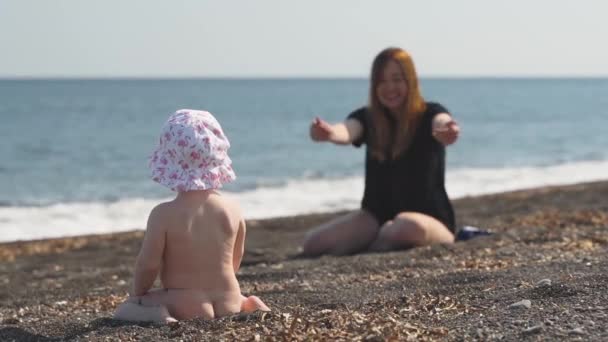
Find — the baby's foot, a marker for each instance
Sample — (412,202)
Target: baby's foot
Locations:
(164,316)
(253,303)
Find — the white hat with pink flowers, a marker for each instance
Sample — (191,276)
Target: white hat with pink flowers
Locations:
(192,153)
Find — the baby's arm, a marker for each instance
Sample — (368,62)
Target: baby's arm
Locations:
(239,246)
(150,256)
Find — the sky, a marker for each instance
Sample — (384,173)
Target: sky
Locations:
(312,38)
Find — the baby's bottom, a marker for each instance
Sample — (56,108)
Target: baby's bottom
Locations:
(167,305)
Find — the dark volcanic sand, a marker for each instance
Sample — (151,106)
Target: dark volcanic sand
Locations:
(67,289)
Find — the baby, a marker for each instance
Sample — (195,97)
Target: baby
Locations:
(196,241)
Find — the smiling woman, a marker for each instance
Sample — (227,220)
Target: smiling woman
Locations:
(405,203)
(394,91)
(392,88)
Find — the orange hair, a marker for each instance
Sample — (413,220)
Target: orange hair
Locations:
(407,119)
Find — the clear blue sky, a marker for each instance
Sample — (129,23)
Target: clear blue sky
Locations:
(282,38)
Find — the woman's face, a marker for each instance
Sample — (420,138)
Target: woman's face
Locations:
(392,88)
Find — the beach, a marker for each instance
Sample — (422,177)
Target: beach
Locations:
(288,123)
(542,275)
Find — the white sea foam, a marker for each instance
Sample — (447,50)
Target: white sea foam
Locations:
(467,182)
(295,197)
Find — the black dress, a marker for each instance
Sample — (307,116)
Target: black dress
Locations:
(412,182)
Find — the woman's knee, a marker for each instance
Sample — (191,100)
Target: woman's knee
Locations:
(344,235)
(313,243)
(422,229)
(405,229)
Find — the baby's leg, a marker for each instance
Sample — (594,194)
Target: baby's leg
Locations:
(147,308)
(129,311)
(252,303)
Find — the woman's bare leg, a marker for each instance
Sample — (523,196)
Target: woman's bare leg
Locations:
(410,229)
(347,234)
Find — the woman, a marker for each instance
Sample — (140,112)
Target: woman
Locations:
(405,203)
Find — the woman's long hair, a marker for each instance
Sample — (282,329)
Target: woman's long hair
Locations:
(408,118)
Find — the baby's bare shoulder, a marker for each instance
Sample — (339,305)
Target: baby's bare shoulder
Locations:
(164,213)
(162,210)
(226,210)
(159,219)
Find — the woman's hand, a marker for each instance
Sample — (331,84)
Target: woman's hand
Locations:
(446,132)
(320,130)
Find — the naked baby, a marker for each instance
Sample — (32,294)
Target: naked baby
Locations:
(196,241)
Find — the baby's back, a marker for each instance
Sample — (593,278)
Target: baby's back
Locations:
(199,245)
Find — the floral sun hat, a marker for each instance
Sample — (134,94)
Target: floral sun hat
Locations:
(192,153)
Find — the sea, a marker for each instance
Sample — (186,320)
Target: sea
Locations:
(73,152)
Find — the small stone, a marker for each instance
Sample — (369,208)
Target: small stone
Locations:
(544,282)
(534,329)
(305,285)
(576,331)
(523,304)
(11,320)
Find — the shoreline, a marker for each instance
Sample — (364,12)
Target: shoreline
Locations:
(62,220)
(329,213)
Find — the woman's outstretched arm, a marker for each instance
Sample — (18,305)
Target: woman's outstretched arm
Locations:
(342,133)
